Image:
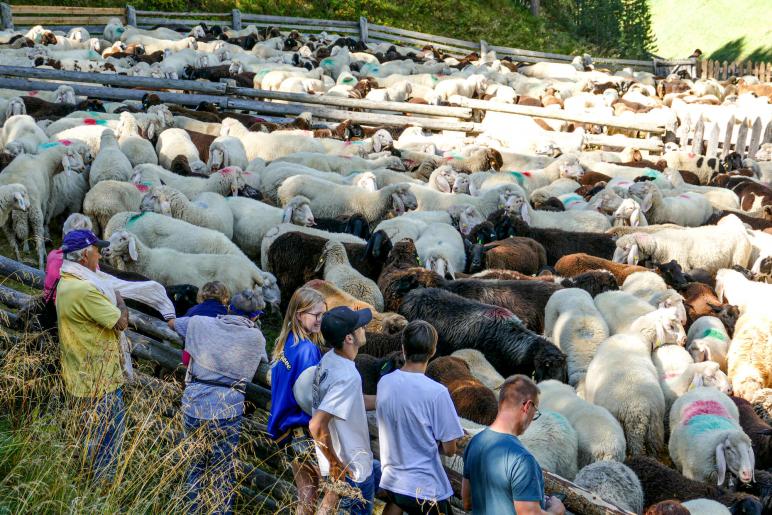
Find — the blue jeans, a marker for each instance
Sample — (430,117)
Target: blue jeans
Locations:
(367,487)
(103,427)
(219,439)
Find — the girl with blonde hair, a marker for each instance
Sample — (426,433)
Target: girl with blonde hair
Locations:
(297,348)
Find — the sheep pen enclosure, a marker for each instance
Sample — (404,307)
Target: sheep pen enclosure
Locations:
(422,176)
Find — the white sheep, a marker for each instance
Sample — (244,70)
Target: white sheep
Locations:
(168,266)
(138,149)
(284,228)
(600,435)
(253,219)
(341,164)
(207,209)
(275,174)
(739,291)
(270,146)
(705,507)
(748,361)
(480,368)
(226,151)
(441,249)
(678,372)
(630,213)
(578,221)
(466,87)
(614,482)
(175,142)
(379,142)
(554,443)
(620,309)
(623,379)
(572,321)
(108,198)
(442,179)
(689,209)
(490,201)
(21,135)
(719,198)
(110,162)
(708,340)
(12,197)
(706,438)
(348,200)
(644,284)
(227,181)
(555,189)
(401,228)
(709,247)
(338,271)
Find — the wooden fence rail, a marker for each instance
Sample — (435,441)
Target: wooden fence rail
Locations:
(725,70)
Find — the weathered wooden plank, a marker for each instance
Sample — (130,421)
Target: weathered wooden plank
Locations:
(742,135)
(6,17)
(728,137)
(112,79)
(246,17)
(755,143)
(683,131)
(712,146)
(21,273)
(420,35)
(236,22)
(131,16)
(167,13)
(12,298)
(363,29)
(542,112)
(767,134)
(61,9)
(373,34)
(621,142)
(142,20)
(699,131)
(308,29)
(85,20)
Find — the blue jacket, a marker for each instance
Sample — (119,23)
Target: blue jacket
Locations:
(208,308)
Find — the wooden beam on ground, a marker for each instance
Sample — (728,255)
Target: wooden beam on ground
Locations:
(543,112)
(619,141)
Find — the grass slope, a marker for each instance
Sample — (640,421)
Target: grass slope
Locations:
(500,22)
(722,29)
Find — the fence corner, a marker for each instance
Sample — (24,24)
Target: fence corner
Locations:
(236,19)
(131,16)
(6,18)
(363,29)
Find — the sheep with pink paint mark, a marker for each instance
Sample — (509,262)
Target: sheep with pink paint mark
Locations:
(706,438)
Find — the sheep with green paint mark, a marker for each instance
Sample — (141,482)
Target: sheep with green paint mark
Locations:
(708,340)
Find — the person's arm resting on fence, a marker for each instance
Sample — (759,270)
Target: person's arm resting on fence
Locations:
(123,320)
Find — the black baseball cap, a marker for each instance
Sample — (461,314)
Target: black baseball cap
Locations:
(341,321)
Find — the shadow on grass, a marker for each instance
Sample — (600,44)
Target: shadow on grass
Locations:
(732,50)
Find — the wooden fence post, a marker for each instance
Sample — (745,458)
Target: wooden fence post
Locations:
(535,7)
(7,17)
(363,29)
(694,71)
(236,16)
(131,16)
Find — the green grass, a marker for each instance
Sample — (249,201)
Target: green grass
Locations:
(722,29)
(499,22)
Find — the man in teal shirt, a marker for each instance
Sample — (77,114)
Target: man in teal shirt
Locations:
(500,476)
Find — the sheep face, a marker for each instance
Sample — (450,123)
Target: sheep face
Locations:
(403,200)
(217,158)
(299,214)
(516,205)
(572,169)
(21,200)
(468,219)
(628,214)
(710,375)
(668,327)
(735,453)
(65,95)
(72,162)
(461,184)
(270,290)
(382,140)
(627,250)
(673,300)
(442,178)
(440,265)
(122,249)
(15,107)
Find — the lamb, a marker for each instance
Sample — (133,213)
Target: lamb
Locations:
(347,200)
(661,482)
(706,438)
(575,264)
(168,266)
(21,135)
(678,373)
(228,181)
(708,340)
(622,378)
(472,400)
(709,248)
(600,436)
(748,359)
(758,431)
(208,209)
(226,151)
(110,163)
(441,248)
(273,234)
(253,219)
(700,300)
(554,443)
(372,368)
(12,197)
(614,482)
(573,322)
(689,209)
(157,230)
(175,142)
(480,368)
(136,148)
(339,272)
(500,336)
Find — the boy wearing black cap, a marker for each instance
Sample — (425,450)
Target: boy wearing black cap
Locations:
(339,422)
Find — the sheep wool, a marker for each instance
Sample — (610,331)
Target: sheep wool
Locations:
(554,443)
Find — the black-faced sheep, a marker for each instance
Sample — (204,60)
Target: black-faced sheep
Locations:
(472,399)
(372,368)
(514,253)
(759,432)
(506,343)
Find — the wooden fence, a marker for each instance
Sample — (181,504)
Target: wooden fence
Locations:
(724,70)
(717,139)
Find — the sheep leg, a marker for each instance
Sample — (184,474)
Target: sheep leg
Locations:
(36,221)
(12,241)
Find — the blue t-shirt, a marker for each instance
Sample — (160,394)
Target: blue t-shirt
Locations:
(204,401)
(208,308)
(501,471)
(285,412)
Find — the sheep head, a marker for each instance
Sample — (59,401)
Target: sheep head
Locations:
(157,201)
(708,373)
(671,299)
(549,362)
(629,248)
(461,184)
(232,177)
(571,168)
(516,205)
(15,107)
(270,290)
(366,181)
(298,212)
(442,177)
(629,214)
(72,161)
(736,454)
(440,265)
(65,95)
(403,200)
(333,252)
(468,217)
(122,249)
(667,327)
(382,140)
(19,195)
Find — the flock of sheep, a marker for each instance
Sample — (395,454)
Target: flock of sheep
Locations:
(632,287)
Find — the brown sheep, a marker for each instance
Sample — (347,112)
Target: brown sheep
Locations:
(473,400)
(758,431)
(701,300)
(402,261)
(514,253)
(381,344)
(575,264)
(667,508)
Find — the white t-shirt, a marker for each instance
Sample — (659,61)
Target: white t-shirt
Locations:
(338,391)
(414,413)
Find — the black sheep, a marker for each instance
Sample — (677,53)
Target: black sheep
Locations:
(355,224)
(372,368)
(506,343)
(758,431)
(593,282)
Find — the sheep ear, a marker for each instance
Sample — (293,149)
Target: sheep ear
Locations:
(442,183)
(660,333)
(697,382)
(720,463)
(133,248)
(524,214)
(635,217)
(287,215)
(646,202)
(633,255)
(619,255)
(399,206)
(376,143)
(752,459)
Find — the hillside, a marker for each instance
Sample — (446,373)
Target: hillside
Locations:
(722,29)
(501,22)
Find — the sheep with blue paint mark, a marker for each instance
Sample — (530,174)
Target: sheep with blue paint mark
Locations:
(554,443)
(706,438)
